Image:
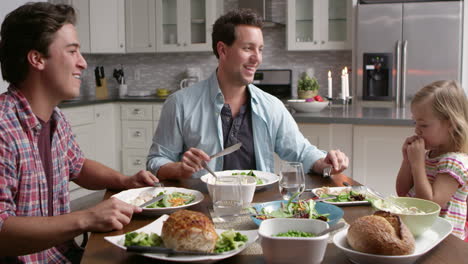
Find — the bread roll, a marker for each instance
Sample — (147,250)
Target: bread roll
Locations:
(190,231)
(382,233)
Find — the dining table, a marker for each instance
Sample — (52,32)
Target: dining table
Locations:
(99,251)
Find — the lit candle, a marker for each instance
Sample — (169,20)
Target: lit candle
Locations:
(329,85)
(343,85)
(346,82)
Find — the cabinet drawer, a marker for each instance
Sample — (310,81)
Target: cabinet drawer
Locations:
(137,112)
(137,134)
(79,115)
(133,160)
(157,108)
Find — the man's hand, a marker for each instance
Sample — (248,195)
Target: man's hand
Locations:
(111,214)
(192,162)
(337,159)
(142,179)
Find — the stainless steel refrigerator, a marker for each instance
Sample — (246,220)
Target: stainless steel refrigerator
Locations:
(418,41)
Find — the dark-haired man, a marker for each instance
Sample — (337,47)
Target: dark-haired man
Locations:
(40,58)
(226,109)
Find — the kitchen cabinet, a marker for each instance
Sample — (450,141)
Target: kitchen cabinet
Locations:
(94,130)
(140,25)
(139,121)
(377,155)
(326,137)
(185,25)
(319,24)
(107,34)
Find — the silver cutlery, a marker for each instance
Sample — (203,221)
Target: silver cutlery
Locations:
(332,228)
(327,172)
(158,184)
(155,199)
(225,151)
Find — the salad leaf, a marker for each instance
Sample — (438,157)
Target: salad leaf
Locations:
(250,173)
(230,240)
(294,209)
(142,239)
(173,199)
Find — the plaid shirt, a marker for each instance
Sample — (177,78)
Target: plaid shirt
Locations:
(23,184)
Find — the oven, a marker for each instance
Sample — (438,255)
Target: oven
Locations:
(275,82)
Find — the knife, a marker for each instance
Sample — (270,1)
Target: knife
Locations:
(227,151)
(97,76)
(169,251)
(155,199)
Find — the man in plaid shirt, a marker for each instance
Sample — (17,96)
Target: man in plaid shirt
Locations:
(40,58)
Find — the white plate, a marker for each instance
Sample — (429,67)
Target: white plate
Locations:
(131,194)
(425,242)
(156,227)
(337,190)
(267,177)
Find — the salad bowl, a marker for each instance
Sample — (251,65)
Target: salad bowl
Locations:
(334,212)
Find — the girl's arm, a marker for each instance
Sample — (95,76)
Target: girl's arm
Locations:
(404,180)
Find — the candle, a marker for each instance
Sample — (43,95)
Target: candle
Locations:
(329,85)
(343,85)
(346,82)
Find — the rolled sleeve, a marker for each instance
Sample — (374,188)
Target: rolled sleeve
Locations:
(167,144)
(8,184)
(75,156)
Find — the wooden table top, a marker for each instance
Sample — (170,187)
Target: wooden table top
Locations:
(450,250)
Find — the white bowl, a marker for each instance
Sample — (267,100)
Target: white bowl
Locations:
(248,189)
(301,105)
(293,249)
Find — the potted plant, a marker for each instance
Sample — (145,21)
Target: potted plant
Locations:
(307,87)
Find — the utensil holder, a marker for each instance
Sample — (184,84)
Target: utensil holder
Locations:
(122,90)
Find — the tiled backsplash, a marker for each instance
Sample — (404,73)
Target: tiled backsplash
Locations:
(166,70)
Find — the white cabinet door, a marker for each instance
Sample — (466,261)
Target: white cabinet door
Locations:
(107,151)
(107,20)
(330,136)
(85,136)
(319,24)
(82,23)
(377,155)
(140,25)
(184,25)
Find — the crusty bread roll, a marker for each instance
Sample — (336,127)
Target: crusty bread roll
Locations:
(190,231)
(382,233)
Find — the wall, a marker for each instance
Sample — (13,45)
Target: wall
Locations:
(165,70)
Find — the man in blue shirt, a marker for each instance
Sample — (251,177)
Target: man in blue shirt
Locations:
(226,109)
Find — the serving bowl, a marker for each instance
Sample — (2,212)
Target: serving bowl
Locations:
(334,212)
(301,105)
(293,249)
(248,188)
(416,223)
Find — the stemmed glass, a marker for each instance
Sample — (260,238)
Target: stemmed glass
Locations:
(292,180)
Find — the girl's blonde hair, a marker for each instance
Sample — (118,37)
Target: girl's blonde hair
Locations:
(449,102)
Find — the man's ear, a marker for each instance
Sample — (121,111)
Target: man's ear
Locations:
(221,48)
(36,59)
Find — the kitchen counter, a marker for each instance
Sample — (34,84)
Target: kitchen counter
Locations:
(357,113)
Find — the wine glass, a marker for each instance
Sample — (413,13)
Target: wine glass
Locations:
(227,197)
(292,180)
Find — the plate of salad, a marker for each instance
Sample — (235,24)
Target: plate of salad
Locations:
(230,242)
(344,196)
(263,178)
(173,198)
(297,209)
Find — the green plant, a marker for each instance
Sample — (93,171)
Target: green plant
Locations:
(306,83)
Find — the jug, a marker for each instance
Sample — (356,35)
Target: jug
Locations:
(188,82)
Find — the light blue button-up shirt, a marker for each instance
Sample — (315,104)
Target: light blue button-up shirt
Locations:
(191,118)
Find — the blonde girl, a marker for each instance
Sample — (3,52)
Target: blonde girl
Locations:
(435,159)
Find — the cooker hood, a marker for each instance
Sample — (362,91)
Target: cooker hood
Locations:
(271,16)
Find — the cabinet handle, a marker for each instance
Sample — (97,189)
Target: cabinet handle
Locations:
(323,41)
(149,45)
(137,111)
(121,45)
(98,115)
(185,44)
(178,44)
(138,134)
(315,42)
(137,162)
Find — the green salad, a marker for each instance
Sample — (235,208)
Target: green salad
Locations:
(227,241)
(293,209)
(350,196)
(250,173)
(172,200)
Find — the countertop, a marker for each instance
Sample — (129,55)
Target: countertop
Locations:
(359,113)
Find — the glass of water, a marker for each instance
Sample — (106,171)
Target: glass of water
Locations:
(227,197)
(292,180)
